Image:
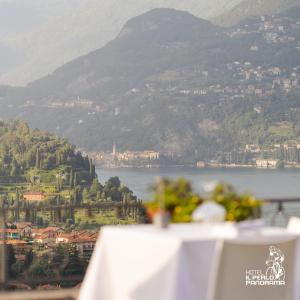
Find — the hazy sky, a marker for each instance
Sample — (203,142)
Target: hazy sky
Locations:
(19,16)
(38,36)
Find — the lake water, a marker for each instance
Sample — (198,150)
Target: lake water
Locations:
(262,183)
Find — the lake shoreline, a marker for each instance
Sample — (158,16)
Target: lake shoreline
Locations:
(207,167)
(263,183)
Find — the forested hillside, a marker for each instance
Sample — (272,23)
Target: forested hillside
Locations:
(38,169)
(22,150)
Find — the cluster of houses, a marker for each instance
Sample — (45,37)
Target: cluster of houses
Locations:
(275,29)
(250,79)
(80,103)
(264,81)
(33,196)
(23,235)
(136,155)
(253,155)
(116,157)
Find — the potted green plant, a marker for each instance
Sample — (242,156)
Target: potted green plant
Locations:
(239,207)
(175,198)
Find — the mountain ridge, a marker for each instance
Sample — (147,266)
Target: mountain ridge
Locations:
(138,38)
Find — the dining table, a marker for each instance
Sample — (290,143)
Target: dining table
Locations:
(143,262)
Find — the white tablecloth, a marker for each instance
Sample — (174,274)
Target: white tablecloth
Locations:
(145,263)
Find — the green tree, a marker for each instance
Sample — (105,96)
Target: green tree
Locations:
(95,188)
(14,168)
(59,256)
(74,265)
(28,258)
(37,159)
(86,195)
(41,268)
(71,179)
(11,260)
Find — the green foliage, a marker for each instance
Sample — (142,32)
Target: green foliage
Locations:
(96,187)
(59,256)
(11,260)
(238,207)
(17,268)
(175,197)
(74,265)
(39,154)
(41,267)
(113,183)
(48,164)
(28,258)
(116,192)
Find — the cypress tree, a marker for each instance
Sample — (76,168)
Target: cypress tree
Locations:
(71,178)
(14,168)
(91,166)
(18,205)
(75,180)
(58,160)
(75,196)
(37,159)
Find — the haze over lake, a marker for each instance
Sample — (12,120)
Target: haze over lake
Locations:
(262,183)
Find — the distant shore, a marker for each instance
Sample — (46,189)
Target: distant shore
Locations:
(207,166)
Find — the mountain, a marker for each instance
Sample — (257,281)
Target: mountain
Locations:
(137,52)
(251,8)
(37,36)
(174,83)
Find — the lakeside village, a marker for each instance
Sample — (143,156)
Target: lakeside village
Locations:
(250,80)
(252,156)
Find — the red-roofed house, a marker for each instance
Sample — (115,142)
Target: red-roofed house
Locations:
(13,234)
(84,241)
(25,228)
(47,235)
(33,196)
(50,232)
